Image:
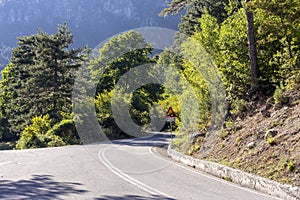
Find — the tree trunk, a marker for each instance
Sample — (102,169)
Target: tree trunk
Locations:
(252,50)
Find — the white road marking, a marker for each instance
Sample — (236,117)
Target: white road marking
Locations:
(5,163)
(214,178)
(127,178)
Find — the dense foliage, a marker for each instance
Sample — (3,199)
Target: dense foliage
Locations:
(118,56)
(228,40)
(38,82)
(252,47)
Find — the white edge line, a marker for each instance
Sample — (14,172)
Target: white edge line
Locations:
(213,177)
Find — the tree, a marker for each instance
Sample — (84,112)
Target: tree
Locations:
(194,10)
(252,49)
(278,39)
(15,100)
(119,55)
(177,5)
(39,78)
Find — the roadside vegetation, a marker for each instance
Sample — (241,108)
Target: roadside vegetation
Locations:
(255,49)
(260,72)
(37,85)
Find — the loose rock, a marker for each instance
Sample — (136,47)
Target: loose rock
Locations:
(271,133)
(251,145)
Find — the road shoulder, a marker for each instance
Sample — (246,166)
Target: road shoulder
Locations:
(239,177)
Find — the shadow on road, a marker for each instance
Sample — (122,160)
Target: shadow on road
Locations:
(135,197)
(38,187)
(155,140)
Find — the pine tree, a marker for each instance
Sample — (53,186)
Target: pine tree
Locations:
(40,77)
(194,10)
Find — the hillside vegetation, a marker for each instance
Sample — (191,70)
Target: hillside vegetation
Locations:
(255,47)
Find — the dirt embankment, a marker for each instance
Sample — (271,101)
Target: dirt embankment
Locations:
(264,140)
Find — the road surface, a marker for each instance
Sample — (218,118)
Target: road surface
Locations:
(127,169)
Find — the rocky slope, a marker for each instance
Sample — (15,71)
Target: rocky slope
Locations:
(263,139)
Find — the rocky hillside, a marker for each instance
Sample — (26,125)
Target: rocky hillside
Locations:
(263,139)
(91,21)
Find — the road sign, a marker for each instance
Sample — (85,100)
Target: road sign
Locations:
(170,113)
(171,116)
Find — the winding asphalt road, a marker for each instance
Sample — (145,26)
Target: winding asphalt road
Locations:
(126,169)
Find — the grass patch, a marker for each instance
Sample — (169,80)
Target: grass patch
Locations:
(223,134)
(290,166)
(228,178)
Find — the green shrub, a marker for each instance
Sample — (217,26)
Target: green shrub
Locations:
(271,141)
(228,178)
(290,166)
(238,106)
(66,130)
(229,124)
(193,148)
(105,116)
(279,96)
(224,134)
(36,135)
